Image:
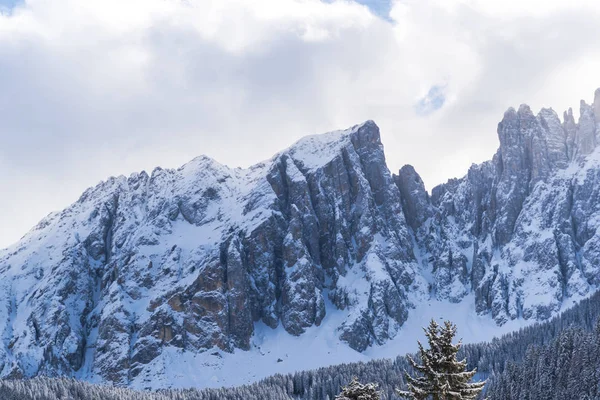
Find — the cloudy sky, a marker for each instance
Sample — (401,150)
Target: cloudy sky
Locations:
(95,88)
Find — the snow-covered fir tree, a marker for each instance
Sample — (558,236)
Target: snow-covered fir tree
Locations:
(443,376)
(357,391)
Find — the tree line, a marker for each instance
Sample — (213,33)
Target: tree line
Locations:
(549,354)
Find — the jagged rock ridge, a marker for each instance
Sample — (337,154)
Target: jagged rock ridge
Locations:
(192,258)
(519,231)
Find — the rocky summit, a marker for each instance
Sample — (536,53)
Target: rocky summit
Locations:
(192,259)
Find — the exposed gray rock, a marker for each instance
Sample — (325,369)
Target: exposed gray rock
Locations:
(555,138)
(415,199)
(585,139)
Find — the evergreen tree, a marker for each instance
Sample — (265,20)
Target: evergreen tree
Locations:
(357,391)
(443,377)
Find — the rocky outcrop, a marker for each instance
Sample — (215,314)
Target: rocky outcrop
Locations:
(190,260)
(515,230)
(414,197)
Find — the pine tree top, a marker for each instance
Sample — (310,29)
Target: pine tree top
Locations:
(443,376)
(357,391)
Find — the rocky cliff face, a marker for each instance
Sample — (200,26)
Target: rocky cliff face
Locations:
(191,259)
(518,231)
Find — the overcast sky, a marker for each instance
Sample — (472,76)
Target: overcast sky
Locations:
(94,88)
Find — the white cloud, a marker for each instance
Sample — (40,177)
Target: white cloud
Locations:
(104,87)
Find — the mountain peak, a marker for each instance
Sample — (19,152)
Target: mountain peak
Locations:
(314,151)
(366,134)
(524,109)
(415,199)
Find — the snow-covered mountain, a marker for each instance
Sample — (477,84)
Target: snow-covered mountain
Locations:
(149,278)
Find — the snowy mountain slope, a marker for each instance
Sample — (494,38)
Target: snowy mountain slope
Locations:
(519,231)
(206,268)
(192,258)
